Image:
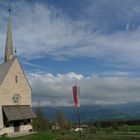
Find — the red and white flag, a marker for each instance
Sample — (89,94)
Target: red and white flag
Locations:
(75,96)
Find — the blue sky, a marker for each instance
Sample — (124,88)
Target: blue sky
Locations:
(93,42)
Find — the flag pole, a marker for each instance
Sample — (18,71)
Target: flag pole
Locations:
(79,120)
(77,105)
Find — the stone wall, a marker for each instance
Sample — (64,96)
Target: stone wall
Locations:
(10,87)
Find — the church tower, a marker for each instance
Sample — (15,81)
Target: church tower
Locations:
(15,92)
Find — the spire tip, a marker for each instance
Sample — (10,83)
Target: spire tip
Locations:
(9,10)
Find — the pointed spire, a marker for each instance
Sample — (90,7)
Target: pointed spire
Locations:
(9,53)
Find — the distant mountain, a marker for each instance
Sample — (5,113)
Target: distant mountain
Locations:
(130,108)
(96,112)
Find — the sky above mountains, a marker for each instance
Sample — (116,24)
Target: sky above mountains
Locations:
(93,42)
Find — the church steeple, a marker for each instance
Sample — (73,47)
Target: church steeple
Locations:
(9,53)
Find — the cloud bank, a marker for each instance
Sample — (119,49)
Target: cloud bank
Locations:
(56,90)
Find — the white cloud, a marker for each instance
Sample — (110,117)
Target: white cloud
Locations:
(40,30)
(56,90)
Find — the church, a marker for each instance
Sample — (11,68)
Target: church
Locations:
(15,92)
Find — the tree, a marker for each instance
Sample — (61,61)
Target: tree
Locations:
(41,123)
(62,122)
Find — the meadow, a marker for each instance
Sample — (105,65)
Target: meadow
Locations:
(100,135)
(37,136)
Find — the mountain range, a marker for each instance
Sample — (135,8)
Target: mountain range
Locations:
(96,112)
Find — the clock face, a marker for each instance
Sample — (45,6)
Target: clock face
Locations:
(16,98)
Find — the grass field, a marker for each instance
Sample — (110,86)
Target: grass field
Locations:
(134,128)
(37,136)
(132,133)
(51,136)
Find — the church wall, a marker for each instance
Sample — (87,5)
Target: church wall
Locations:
(26,128)
(1,118)
(7,130)
(9,86)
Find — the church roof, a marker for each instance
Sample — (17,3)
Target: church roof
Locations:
(18,112)
(4,68)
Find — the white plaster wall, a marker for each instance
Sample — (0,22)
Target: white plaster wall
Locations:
(7,130)
(25,128)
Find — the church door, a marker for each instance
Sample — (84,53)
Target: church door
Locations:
(16,126)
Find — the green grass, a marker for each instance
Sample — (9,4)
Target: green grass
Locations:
(101,135)
(38,136)
(134,128)
(3,138)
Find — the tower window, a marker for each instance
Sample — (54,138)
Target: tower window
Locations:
(16,78)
